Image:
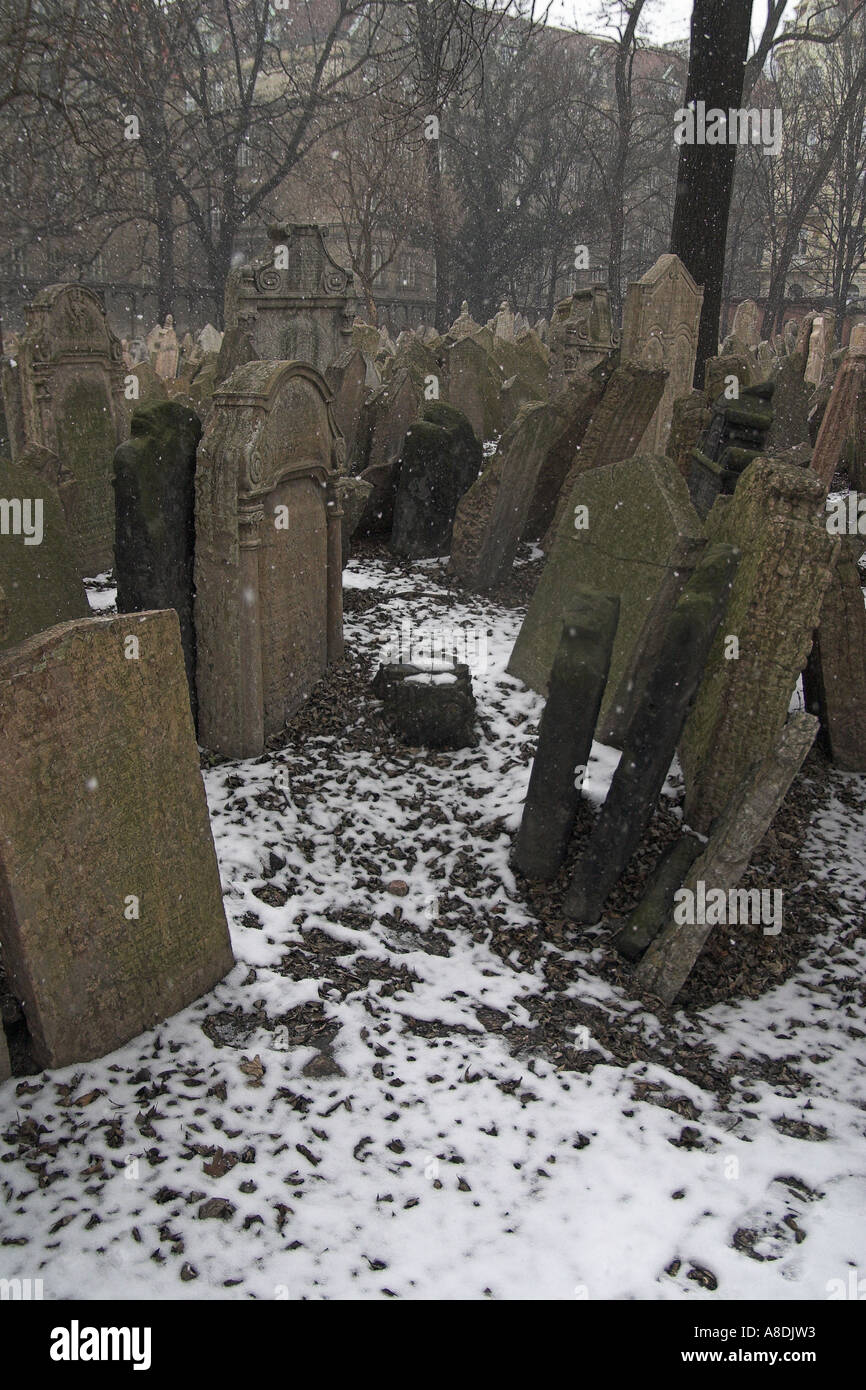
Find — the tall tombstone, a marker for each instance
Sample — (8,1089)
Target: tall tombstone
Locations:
(844,409)
(111,912)
(746,325)
(581,334)
(154,498)
(293,301)
(660,329)
(388,414)
(834,681)
(346,377)
(268,563)
(817,352)
(471,386)
(786,563)
(630,531)
(441,458)
(69,383)
(39,572)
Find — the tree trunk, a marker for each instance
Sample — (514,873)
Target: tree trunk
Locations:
(165,278)
(719,48)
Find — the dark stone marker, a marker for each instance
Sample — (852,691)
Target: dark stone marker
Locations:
(653,735)
(565,733)
(154,508)
(736,435)
(654,908)
(428,706)
(441,459)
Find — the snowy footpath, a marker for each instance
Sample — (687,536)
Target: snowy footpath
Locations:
(380,1099)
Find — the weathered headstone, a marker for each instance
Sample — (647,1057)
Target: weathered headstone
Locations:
(293,301)
(651,739)
(210,339)
(786,564)
(154,499)
(463,325)
(817,352)
(690,418)
(734,438)
(353,494)
(428,704)
(747,816)
(844,402)
(346,377)
(387,415)
(834,681)
(630,531)
(39,570)
(746,325)
(150,387)
(790,425)
(165,351)
(491,517)
(577,682)
(268,559)
(235,350)
(441,458)
(69,381)
(503,323)
(112,916)
(581,334)
(660,330)
(618,422)
(471,386)
(652,912)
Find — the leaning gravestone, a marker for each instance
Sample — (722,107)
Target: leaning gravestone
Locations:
(387,415)
(491,517)
(346,377)
(154,498)
(565,733)
(293,301)
(785,567)
(353,494)
(660,329)
(69,382)
(471,386)
(746,818)
(268,559)
(112,916)
(441,458)
(834,681)
(630,530)
(651,739)
(39,572)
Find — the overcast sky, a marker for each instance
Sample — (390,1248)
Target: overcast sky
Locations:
(662,20)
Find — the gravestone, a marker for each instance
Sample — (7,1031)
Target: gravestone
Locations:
(746,818)
(111,917)
(151,388)
(154,499)
(746,326)
(834,681)
(841,414)
(790,425)
(790,334)
(502,325)
(651,738)
(817,352)
(235,350)
(39,571)
(618,422)
(441,458)
(630,530)
(268,561)
(660,330)
(470,386)
(353,495)
(164,350)
(565,733)
(387,415)
(210,339)
(346,377)
(734,437)
(786,562)
(581,334)
(491,517)
(70,386)
(294,301)
(464,325)
(690,417)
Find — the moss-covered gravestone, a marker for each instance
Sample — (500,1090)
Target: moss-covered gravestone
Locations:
(154,501)
(631,531)
(69,388)
(441,458)
(111,913)
(39,572)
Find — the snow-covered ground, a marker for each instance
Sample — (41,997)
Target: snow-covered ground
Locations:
(355,1118)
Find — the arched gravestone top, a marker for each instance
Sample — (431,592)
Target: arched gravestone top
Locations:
(68,321)
(268,561)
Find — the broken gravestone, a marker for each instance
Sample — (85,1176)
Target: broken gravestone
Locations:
(785,567)
(154,498)
(441,458)
(112,915)
(565,734)
(428,704)
(630,530)
(581,334)
(735,436)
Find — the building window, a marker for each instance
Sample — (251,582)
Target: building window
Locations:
(408,272)
(215,220)
(245,154)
